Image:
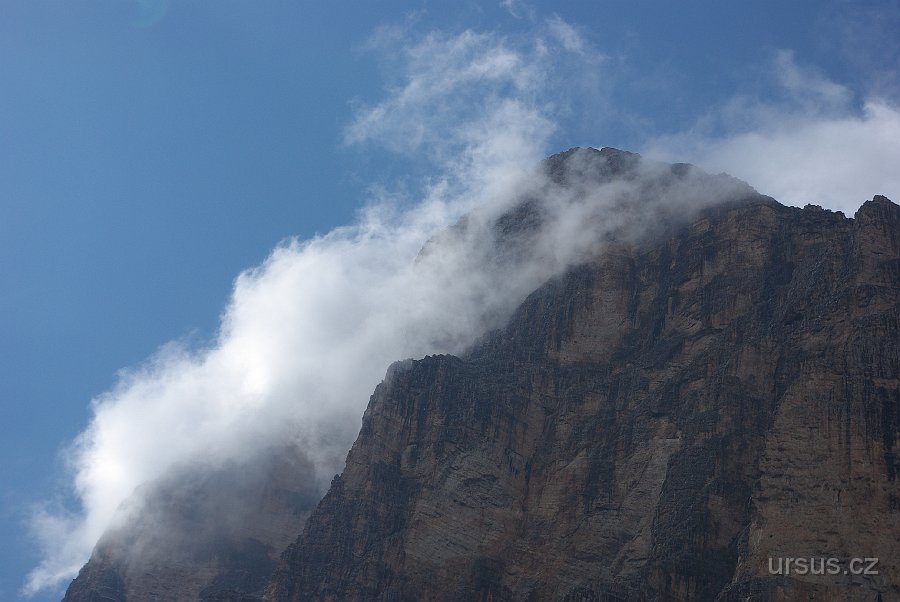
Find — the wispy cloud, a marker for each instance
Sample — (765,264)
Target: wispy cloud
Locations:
(519,9)
(444,77)
(569,37)
(817,142)
(307,334)
(808,88)
(864,34)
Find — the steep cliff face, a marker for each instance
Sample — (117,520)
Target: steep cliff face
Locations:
(669,421)
(709,390)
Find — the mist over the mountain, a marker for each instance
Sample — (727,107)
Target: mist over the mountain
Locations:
(307,335)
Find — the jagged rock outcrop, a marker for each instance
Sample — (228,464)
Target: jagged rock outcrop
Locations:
(656,424)
(702,391)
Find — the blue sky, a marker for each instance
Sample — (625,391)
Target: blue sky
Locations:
(150,151)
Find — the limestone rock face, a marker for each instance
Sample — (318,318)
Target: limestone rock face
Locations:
(669,421)
(709,390)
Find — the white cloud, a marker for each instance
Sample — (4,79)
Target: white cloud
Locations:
(815,146)
(567,35)
(808,87)
(308,334)
(445,79)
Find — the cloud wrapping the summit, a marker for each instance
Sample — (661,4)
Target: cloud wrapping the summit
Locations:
(307,335)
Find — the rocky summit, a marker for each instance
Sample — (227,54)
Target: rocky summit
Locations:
(706,411)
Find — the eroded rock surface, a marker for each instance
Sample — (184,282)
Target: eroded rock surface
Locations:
(653,425)
(703,393)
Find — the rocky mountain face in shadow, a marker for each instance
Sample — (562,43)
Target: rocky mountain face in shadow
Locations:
(202,533)
(699,400)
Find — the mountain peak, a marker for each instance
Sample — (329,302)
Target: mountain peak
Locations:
(680,366)
(880,207)
(607,162)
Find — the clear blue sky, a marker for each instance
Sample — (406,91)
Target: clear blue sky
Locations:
(151,150)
